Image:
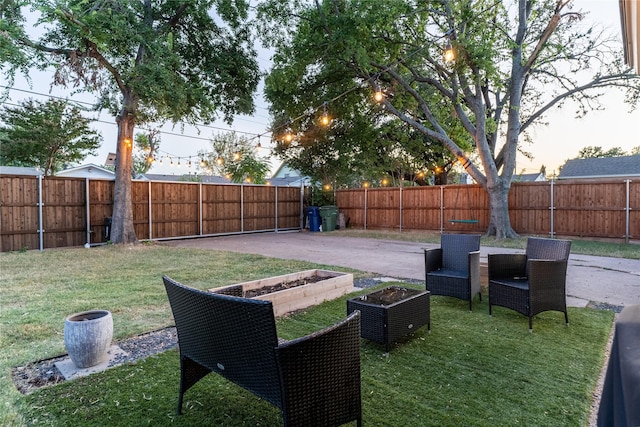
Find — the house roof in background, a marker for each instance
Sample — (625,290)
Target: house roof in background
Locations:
(528,177)
(89,170)
(18,170)
(601,167)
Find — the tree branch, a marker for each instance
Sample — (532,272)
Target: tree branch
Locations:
(603,81)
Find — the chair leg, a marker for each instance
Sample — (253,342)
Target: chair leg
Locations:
(490,314)
(530,324)
(180,403)
(566,317)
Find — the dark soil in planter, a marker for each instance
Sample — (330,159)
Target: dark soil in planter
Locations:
(282,286)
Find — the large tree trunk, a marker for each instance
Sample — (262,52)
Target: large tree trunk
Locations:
(122,230)
(499,221)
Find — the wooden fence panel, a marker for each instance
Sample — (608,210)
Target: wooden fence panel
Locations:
(64,212)
(140,191)
(174,209)
(100,208)
(288,207)
(634,205)
(587,210)
(529,207)
(465,208)
(421,208)
(351,204)
(221,209)
(18,213)
(581,208)
(259,208)
(383,208)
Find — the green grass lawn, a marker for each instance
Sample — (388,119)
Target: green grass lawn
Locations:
(470,370)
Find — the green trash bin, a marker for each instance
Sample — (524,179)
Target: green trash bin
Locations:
(329,215)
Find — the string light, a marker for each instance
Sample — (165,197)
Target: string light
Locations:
(325,119)
(449,54)
(378,95)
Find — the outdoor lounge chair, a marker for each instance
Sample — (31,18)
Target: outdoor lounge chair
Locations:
(454,268)
(533,282)
(313,380)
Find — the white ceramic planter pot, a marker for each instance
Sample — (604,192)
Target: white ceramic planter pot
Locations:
(87,337)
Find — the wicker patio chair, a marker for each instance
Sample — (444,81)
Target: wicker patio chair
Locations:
(533,282)
(313,380)
(454,268)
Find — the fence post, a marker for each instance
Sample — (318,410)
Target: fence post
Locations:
(242,207)
(552,210)
(87,211)
(400,205)
(276,209)
(302,213)
(200,207)
(40,219)
(150,209)
(627,214)
(365,208)
(441,209)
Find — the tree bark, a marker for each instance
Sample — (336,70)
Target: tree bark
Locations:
(122,230)
(499,220)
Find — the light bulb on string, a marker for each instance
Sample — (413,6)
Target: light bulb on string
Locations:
(449,54)
(288,137)
(202,163)
(378,95)
(219,161)
(325,119)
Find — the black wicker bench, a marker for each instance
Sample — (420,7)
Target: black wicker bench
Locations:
(313,380)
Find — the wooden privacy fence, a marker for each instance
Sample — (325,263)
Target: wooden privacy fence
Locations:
(38,213)
(607,209)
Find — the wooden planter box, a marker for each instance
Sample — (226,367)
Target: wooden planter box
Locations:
(332,285)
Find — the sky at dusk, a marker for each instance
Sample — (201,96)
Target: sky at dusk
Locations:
(553,144)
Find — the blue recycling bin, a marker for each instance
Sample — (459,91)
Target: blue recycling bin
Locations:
(313,218)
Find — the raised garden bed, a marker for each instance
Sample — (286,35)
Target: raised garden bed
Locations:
(295,291)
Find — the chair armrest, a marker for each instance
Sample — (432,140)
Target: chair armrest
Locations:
(432,259)
(474,271)
(547,274)
(320,375)
(506,266)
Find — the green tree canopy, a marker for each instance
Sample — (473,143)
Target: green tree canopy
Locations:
(514,60)
(145,61)
(49,135)
(596,151)
(147,145)
(235,157)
